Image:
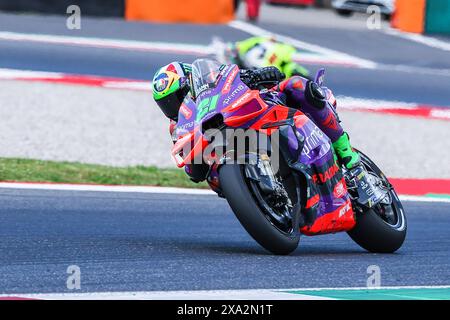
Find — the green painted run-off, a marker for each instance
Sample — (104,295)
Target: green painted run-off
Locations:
(435,195)
(380,294)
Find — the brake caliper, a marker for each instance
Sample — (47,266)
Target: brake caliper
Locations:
(369,188)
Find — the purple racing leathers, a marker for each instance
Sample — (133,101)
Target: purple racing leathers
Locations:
(295,92)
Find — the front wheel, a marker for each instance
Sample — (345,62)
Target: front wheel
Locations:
(249,207)
(381,229)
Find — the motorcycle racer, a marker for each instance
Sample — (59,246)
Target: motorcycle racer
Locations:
(171,86)
(258,52)
(313,189)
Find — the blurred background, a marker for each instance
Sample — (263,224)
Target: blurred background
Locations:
(75,75)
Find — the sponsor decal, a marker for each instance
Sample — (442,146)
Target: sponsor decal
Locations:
(185,111)
(339,190)
(203,94)
(203,88)
(239,101)
(312,141)
(185,126)
(229,81)
(206,106)
(346,208)
(233,95)
(161,82)
(327,175)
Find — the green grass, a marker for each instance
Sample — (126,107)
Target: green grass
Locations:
(70,172)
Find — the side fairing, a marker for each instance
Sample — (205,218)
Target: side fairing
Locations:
(186,117)
(328,201)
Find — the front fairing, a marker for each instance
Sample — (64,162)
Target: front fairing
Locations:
(228,89)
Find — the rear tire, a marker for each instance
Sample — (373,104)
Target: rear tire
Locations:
(372,232)
(375,235)
(239,197)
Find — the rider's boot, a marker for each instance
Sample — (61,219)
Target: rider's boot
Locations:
(347,156)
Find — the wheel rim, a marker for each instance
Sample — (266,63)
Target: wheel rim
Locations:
(281,219)
(392,214)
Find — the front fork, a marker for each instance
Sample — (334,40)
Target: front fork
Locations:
(263,173)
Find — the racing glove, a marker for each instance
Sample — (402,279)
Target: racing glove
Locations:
(266,77)
(269,74)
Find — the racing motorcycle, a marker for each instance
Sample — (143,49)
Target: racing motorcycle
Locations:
(292,185)
(265,53)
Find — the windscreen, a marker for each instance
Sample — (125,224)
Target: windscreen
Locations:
(204,75)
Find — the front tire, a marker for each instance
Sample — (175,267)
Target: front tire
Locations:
(377,233)
(237,192)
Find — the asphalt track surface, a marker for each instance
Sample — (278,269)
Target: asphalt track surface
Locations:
(421,82)
(143,242)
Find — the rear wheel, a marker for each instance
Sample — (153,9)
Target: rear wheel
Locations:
(382,228)
(270,225)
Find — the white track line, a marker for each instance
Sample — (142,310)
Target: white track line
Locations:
(12,74)
(151,189)
(104,188)
(324,55)
(414,70)
(367,288)
(329,53)
(357,103)
(419,38)
(320,55)
(174,295)
(199,50)
(408,198)
(108,43)
(245,294)
(440,113)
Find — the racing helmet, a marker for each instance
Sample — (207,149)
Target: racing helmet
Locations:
(170,87)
